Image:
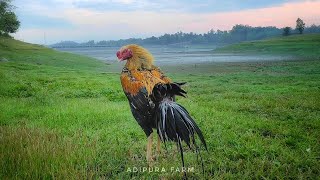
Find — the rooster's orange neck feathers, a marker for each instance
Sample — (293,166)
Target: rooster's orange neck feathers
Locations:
(141,58)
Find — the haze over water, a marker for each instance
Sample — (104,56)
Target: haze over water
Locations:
(168,54)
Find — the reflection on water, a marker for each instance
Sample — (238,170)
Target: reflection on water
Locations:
(167,55)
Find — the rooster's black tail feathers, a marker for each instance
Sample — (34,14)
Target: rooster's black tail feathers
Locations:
(173,121)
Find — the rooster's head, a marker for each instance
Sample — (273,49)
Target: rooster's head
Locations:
(136,56)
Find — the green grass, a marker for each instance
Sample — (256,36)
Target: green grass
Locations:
(65,116)
(298,45)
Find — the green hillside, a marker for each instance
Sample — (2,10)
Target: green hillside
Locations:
(64,116)
(301,45)
(32,54)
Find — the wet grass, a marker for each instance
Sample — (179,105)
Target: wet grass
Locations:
(64,116)
(306,45)
(39,153)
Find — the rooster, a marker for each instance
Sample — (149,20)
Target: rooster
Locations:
(151,97)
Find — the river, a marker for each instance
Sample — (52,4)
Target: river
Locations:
(168,54)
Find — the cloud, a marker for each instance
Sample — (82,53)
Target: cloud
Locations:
(86,24)
(280,16)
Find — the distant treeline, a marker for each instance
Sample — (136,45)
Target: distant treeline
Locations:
(238,33)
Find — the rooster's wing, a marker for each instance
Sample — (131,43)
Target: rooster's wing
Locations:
(138,86)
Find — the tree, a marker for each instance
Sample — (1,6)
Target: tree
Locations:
(312,29)
(300,25)
(286,31)
(239,32)
(8,20)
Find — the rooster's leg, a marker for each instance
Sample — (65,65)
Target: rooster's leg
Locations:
(158,146)
(149,149)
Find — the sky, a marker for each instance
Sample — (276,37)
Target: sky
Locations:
(51,21)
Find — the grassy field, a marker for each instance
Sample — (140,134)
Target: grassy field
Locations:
(296,45)
(64,116)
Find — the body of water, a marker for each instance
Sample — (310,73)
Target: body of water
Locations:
(167,54)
